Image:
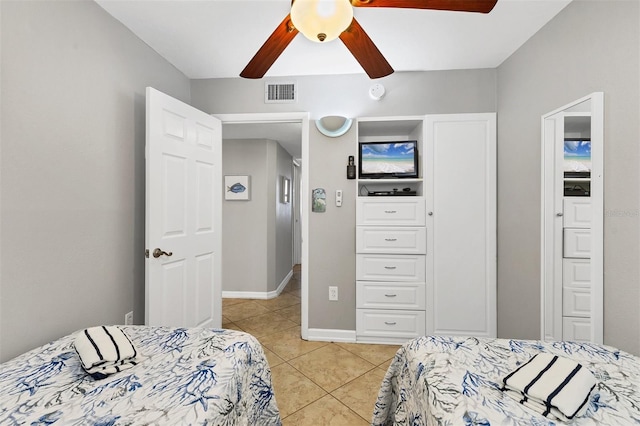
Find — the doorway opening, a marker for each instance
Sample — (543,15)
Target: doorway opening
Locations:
(291,131)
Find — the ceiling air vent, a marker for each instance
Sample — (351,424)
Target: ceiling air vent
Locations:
(279,93)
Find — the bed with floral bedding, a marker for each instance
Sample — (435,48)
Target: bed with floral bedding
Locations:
(183,376)
(436,380)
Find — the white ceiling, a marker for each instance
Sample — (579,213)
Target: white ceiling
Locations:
(217,38)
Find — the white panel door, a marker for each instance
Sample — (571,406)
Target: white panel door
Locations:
(183,214)
(460,174)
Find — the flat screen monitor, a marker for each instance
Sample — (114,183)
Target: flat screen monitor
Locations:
(381,160)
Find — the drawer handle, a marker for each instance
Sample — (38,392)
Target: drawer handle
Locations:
(390,211)
(390,323)
(389,267)
(390,295)
(391,239)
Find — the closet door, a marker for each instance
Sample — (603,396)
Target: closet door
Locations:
(460,179)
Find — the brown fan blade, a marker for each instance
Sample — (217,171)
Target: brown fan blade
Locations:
(270,50)
(365,52)
(480,6)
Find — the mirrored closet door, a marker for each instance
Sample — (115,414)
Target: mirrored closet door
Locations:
(572,222)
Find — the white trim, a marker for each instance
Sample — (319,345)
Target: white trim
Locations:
(597,212)
(247,295)
(259,294)
(302,118)
(284,282)
(571,105)
(305,199)
(386,340)
(329,335)
(296,230)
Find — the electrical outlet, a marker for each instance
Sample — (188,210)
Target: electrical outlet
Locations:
(128,318)
(333,293)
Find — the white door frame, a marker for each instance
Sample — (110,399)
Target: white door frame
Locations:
(597,207)
(297,236)
(289,117)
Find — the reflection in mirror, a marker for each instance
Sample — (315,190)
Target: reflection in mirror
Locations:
(577,153)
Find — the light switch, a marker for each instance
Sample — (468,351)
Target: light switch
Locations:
(339,197)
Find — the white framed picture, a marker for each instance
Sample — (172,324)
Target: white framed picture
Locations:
(236,188)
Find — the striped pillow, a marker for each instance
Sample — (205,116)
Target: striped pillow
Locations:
(105,350)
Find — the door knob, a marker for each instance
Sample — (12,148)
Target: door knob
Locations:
(559,214)
(157,253)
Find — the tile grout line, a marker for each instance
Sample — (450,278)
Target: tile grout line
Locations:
(330,393)
(288,361)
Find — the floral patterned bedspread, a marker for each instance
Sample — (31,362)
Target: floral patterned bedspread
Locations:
(186,376)
(437,380)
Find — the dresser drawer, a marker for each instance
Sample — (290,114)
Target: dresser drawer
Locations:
(390,211)
(390,295)
(577,243)
(392,267)
(576,329)
(576,272)
(577,212)
(377,239)
(576,301)
(389,323)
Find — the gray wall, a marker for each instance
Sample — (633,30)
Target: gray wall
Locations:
(72,220)
(590,46)
(332,234)
(245,223)
(283,244)
(256,234)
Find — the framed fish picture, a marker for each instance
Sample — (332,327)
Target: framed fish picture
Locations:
(236,188)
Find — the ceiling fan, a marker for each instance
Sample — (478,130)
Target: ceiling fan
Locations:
(325,20)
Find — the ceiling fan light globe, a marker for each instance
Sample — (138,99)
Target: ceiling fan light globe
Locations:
(321,20)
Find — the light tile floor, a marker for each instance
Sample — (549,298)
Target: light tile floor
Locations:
(315,383)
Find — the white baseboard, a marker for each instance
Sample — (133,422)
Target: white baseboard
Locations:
(258,294)
(328,335)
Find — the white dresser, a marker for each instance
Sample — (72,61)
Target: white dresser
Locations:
(426,253)
(390,268)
